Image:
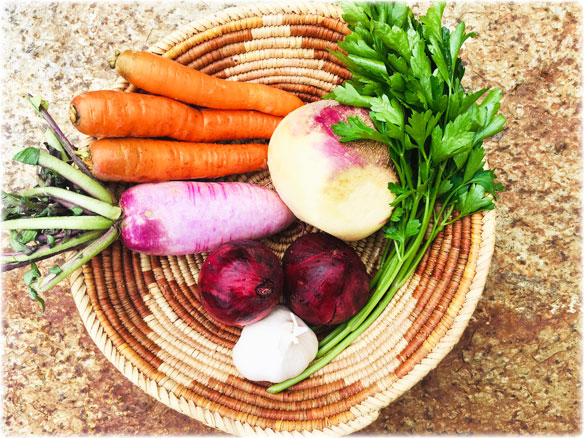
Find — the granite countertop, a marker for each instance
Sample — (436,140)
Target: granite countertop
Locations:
(516,368)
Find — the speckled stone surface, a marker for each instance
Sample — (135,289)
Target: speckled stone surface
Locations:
(517,367)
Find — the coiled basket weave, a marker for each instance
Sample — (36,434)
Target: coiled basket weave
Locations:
(144,313)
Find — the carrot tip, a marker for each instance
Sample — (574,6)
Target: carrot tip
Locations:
(113,59)
(73,114)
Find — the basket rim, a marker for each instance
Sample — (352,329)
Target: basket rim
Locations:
(368,410)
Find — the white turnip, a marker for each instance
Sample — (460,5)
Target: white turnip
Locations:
(340,188)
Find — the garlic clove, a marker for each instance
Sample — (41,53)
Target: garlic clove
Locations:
(276,348)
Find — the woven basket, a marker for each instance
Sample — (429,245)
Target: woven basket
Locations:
(144,313)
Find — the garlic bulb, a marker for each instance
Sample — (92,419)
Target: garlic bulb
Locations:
(277,347)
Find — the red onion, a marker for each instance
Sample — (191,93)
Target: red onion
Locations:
(240,282)
(325,281)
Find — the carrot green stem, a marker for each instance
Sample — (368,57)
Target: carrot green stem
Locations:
(96,206)
(63,140)
(54,142)
(57,248)
(80,259)
(59,223)
(67,171)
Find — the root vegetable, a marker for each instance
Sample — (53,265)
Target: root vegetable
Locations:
(241,282)
(325,280)
(109,113)
(185,217)
(166,77)
(149,160)
(340,188)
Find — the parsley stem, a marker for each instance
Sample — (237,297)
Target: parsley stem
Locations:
(407,172)
(338,349)
(390,272)
(94,205)
(59,223)
(407,269)
(405,275)
(386,278)
(338,329)
(67,171)
(387,255)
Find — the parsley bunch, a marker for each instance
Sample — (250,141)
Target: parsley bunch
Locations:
(407,72)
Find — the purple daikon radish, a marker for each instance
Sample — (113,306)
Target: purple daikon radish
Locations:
(185,217)
(166,218)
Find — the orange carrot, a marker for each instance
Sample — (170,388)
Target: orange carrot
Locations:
(142,159)
(110,113)
(166,77)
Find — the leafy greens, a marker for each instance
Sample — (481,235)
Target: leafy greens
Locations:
(407,73)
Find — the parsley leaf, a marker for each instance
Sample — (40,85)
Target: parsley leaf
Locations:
(348,95)
(394,37)
(354,13)
(456,139)
(420,126)
(474,200)
(474,163)
(493,128)
(391,113)
(356,129)
(457,38)
(486,179)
